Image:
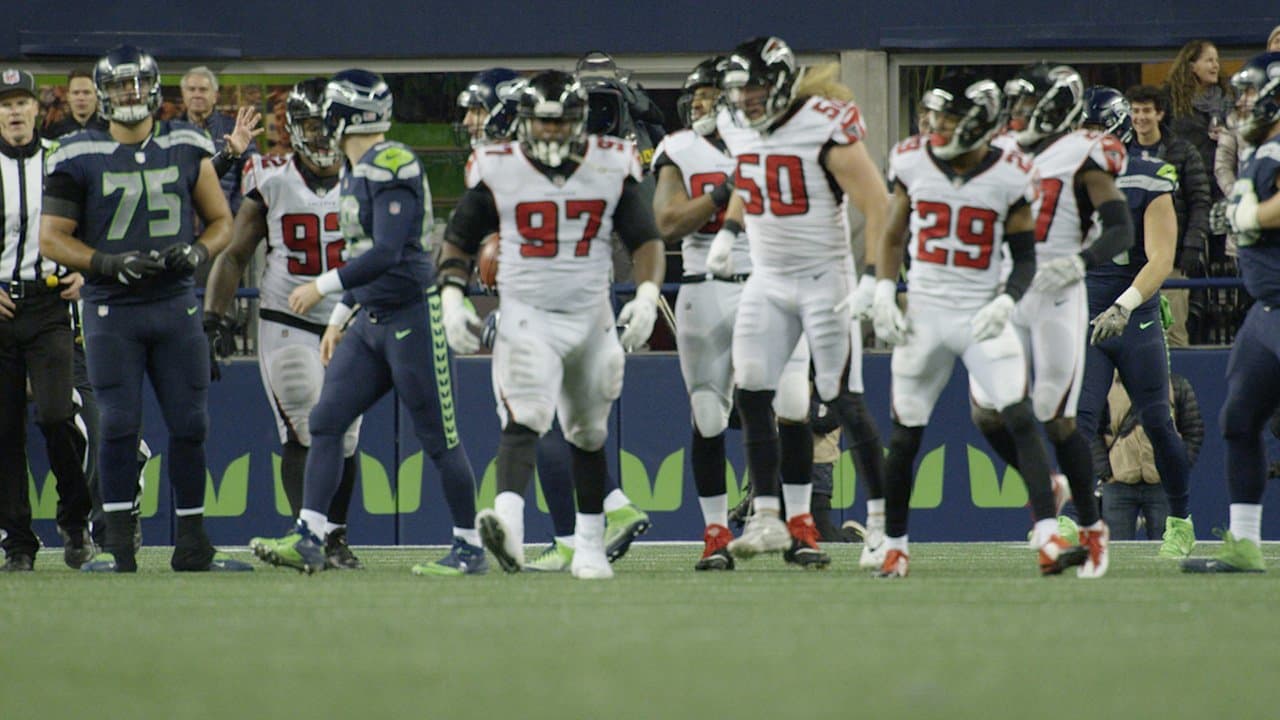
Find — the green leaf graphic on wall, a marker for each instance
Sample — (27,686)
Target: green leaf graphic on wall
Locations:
(664,494)
(989,492)
(379,497)
(44,499)
(231,497)
(926,495)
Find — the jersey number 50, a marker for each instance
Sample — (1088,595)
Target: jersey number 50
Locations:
(787,197)
(301,233)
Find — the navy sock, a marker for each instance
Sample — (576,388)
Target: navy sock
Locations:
(760,439)
(323,473)
(864,440)
(555,475)
(186,472)
(590,469)
(904,444)
(796,453)
(342,498)
(706,456)
(459,485)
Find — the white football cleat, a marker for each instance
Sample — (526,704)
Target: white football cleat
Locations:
(589,559)
(501,539)
(764,533)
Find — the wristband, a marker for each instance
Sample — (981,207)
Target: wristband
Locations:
(329,283)
(1130,298)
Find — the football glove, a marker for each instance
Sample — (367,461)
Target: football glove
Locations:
(129,268)
(1192,262)
(637,317)
(991,318)
(459,317)
(887,318)
(183,258)
(1242,212)
(720,255)
(858,303)
(1109,323)
(222,341)
(1058,273)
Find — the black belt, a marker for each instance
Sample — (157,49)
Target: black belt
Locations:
(694,279)
(29,288)
(292,321)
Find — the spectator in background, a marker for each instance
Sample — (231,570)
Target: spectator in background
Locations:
(1151,137)
(200,98)
(825,426)
(1273,40)
(1125,460)
(82,101)
(1200,99)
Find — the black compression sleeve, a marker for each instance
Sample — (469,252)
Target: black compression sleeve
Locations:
(63,196)
(221,163)
(1022,248)
(475,217)
(633,218)
(1117,233)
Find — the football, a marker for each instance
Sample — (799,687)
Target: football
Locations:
(487,263)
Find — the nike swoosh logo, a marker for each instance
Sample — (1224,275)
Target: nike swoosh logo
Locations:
(1145,325)
(192,310)
(1056,303)
(402,334)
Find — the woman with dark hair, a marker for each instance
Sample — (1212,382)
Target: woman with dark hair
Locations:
(1200,98)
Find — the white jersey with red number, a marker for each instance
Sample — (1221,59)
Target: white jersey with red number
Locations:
(957,224)
(554,251)
(795,214)
(303,237)
(1060,224)
(702,166)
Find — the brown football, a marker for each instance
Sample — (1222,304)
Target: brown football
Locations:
(487,263)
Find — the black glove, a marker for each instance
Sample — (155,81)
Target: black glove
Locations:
(222,341)
(129,268)
(722,193)
(1192,262)
(183,258)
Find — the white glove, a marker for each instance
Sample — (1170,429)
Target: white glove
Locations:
(858,303)
(991,318)
(1058,273)
(720,255)
(890,324)
(1109,323)
(638,315)
(459,316)
(1242,212)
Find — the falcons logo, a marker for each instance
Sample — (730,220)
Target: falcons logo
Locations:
(775,51)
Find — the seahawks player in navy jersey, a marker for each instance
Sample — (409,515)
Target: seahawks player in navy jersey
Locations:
(118,203)
(1124,303)
(1253,372)
(396,340)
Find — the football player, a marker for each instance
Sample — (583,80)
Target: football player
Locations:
(1124,302)
(292,202)
(490,99)
(555,195)
(395,341)
(797,138)
(120,203)
(1074,172)
(695,182)
(1253,372)
(962,200)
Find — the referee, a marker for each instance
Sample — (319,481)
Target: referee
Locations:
(36,341)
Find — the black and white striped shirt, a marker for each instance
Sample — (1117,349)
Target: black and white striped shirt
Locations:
(21,187)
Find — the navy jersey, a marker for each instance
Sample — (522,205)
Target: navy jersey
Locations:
(385,213)
(1144,180)
(128,197)
(1259,252)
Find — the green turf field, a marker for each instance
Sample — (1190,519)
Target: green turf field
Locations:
(973,633)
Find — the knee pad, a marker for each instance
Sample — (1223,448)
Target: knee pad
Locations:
(1059,429)
(987,420)
(791,401)
(710,413)
(296,375)
(1018,417)
(588,439)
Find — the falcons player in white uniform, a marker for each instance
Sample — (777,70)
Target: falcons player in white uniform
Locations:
(292,202)
(695,182)
(555,196)
(799,151)
(962,200)
(1075,175)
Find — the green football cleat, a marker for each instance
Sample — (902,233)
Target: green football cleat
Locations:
(1179,538)
(1236,556)
(300,550)
(463,559)
(622,527)
(1068,530)
(556,558)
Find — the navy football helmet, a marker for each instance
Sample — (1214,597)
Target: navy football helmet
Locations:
(1043,100)
(1108,109)
(356,102)
(554,96)
(765,62)
(707,74)
(491,95)
(128,83)
(1258,83)
(304,119)
(974,102)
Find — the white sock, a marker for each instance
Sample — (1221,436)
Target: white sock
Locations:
(330,527)
(767,503)
(565,540)
(797,497)
(316,523)
(588,533)
(510,507)
(875,514)
(615,501)
(469,535)
(1043,530)
(896,543)
(1246,522)
(715,509)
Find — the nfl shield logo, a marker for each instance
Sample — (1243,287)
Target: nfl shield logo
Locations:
(394,207)
(11,77)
